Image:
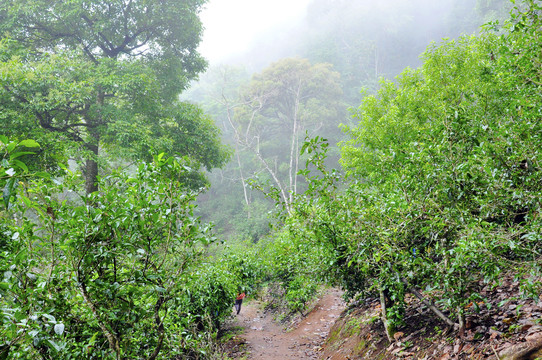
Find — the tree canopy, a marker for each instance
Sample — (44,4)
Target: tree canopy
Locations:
(440,196)
(106,75)
(443,189)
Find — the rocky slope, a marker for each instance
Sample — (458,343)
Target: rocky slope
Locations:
(504,327)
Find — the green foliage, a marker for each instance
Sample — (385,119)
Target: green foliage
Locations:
(12,169)
(105,78)
(436,159)
(292,269)
(300,291)
(443,188)
(246,267)
(156,31)
(109,279)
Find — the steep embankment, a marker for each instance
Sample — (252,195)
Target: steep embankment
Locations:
(505,327)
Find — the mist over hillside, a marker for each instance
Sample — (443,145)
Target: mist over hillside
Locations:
(363,41)
(330,30)
(388,152)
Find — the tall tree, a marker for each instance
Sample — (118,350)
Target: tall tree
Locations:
(280,105)
(243,212)
(106,75)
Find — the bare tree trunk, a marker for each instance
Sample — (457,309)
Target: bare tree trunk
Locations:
(296,163)
(243,180)
(91,169)
(427,303)
(159,326)
(293,146)
(461,321)
(238,141)
(285,198)
(243,139)
(93,145)
(384,316)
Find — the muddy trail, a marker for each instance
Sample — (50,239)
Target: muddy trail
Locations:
(259,336)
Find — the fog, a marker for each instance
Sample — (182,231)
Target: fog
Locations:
(363,40)
(233,27)
(255,33)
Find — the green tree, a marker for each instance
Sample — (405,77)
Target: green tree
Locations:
(114,280)
(444,178)
(439,169)
(106,75)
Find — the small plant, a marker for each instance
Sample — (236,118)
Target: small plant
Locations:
(513,328)
(353,325)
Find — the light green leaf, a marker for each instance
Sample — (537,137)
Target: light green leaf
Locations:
(21,164)
(59,328)
(29,143)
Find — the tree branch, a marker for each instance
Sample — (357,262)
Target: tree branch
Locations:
(111,338)
(428,303)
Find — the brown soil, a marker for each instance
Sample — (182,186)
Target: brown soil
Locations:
(500,325)
(261,337)
(503,324)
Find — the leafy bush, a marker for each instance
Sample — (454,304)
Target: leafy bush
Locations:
(102,276)
(443,179)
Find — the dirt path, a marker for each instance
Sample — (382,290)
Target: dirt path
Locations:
(265,339)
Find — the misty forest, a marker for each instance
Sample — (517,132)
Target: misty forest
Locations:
(390,150)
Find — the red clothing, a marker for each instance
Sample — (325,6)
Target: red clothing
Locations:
(240,296)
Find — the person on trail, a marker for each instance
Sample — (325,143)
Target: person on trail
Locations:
(239,301)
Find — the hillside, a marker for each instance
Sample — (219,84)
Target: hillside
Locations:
(504,327)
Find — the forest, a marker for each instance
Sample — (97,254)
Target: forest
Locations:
(387,150)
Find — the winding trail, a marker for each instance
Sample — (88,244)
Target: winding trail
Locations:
(265,339)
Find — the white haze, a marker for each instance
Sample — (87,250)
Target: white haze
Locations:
(233,26)
(255,33)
